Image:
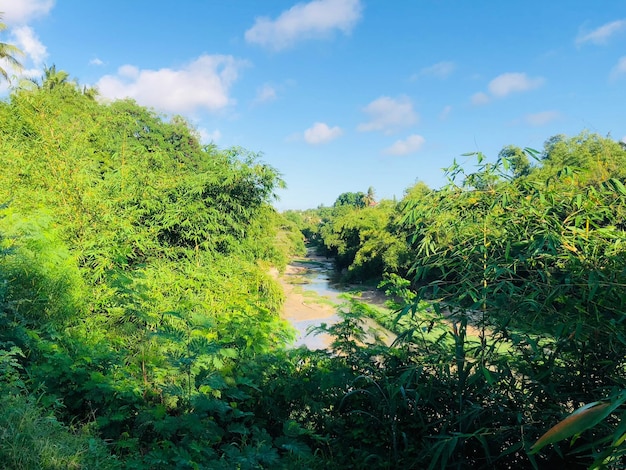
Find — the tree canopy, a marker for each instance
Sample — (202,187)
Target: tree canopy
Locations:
(8,53)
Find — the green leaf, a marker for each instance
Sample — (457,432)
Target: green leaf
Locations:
(228,352)
(618,186)
(488,376)
(238,428)
(531,152)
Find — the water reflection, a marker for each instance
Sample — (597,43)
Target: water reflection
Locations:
(312,340)
(318,277)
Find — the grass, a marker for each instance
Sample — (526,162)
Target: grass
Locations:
(298,280)
(314,296)
(32,438)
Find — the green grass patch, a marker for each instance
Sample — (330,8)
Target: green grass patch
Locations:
(298,280)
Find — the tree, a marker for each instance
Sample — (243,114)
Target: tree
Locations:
(8,53)
(350,199)
(520,164)
(53,78)
(550,143)
(90,92)
(599,157)
(370,197)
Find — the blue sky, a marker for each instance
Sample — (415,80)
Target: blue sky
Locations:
(340,95)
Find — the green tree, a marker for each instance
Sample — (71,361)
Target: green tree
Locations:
(370,197)
(519,161)
(550,143)
(598,158)
(8,53)
(350,199)
(53,78)
(165,247)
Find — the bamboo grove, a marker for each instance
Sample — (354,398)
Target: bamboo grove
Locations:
(509,290)
(140,327)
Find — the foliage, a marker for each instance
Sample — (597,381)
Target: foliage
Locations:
(140,327)
(523,269)
(351,199)
(134,278)
(8,53)
(595,158)
(537,266)
(365,240)
(32,438)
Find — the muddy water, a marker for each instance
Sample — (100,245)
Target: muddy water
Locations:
(312,299)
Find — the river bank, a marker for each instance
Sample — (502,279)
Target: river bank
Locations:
(311,298)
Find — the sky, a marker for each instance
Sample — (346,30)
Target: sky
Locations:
(343,95)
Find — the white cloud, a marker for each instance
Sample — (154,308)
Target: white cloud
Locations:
(34,54)
(480,98)
(320,133)
(508,83)
(505,84)
(203,84)
(16,14)
(315,19)
(19,12)
(207,137)
(265,93)
(388,114)
(619,69)
(26,39)
(623,140)
(602,34)
(128,71)
(404,147)
(445,112)
(439,70)
(544,117)
(96,61)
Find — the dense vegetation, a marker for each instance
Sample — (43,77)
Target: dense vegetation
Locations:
(140,327)
(510,293)
(134,287)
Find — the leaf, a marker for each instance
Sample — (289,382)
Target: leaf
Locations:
(579,201)
(488,376)
(618,186)
(532,153)
(293,446)
(228,352)
(506,164)
(580,420)
(238,428)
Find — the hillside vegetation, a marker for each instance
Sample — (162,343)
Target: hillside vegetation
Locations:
(140,329)
(134,285)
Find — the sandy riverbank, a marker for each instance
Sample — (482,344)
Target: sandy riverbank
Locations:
(304,311)
(297,307)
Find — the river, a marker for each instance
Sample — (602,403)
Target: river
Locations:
(312,298)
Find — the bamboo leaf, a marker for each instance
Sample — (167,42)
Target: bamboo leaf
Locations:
(488,376)
(618,186)
(580,420)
